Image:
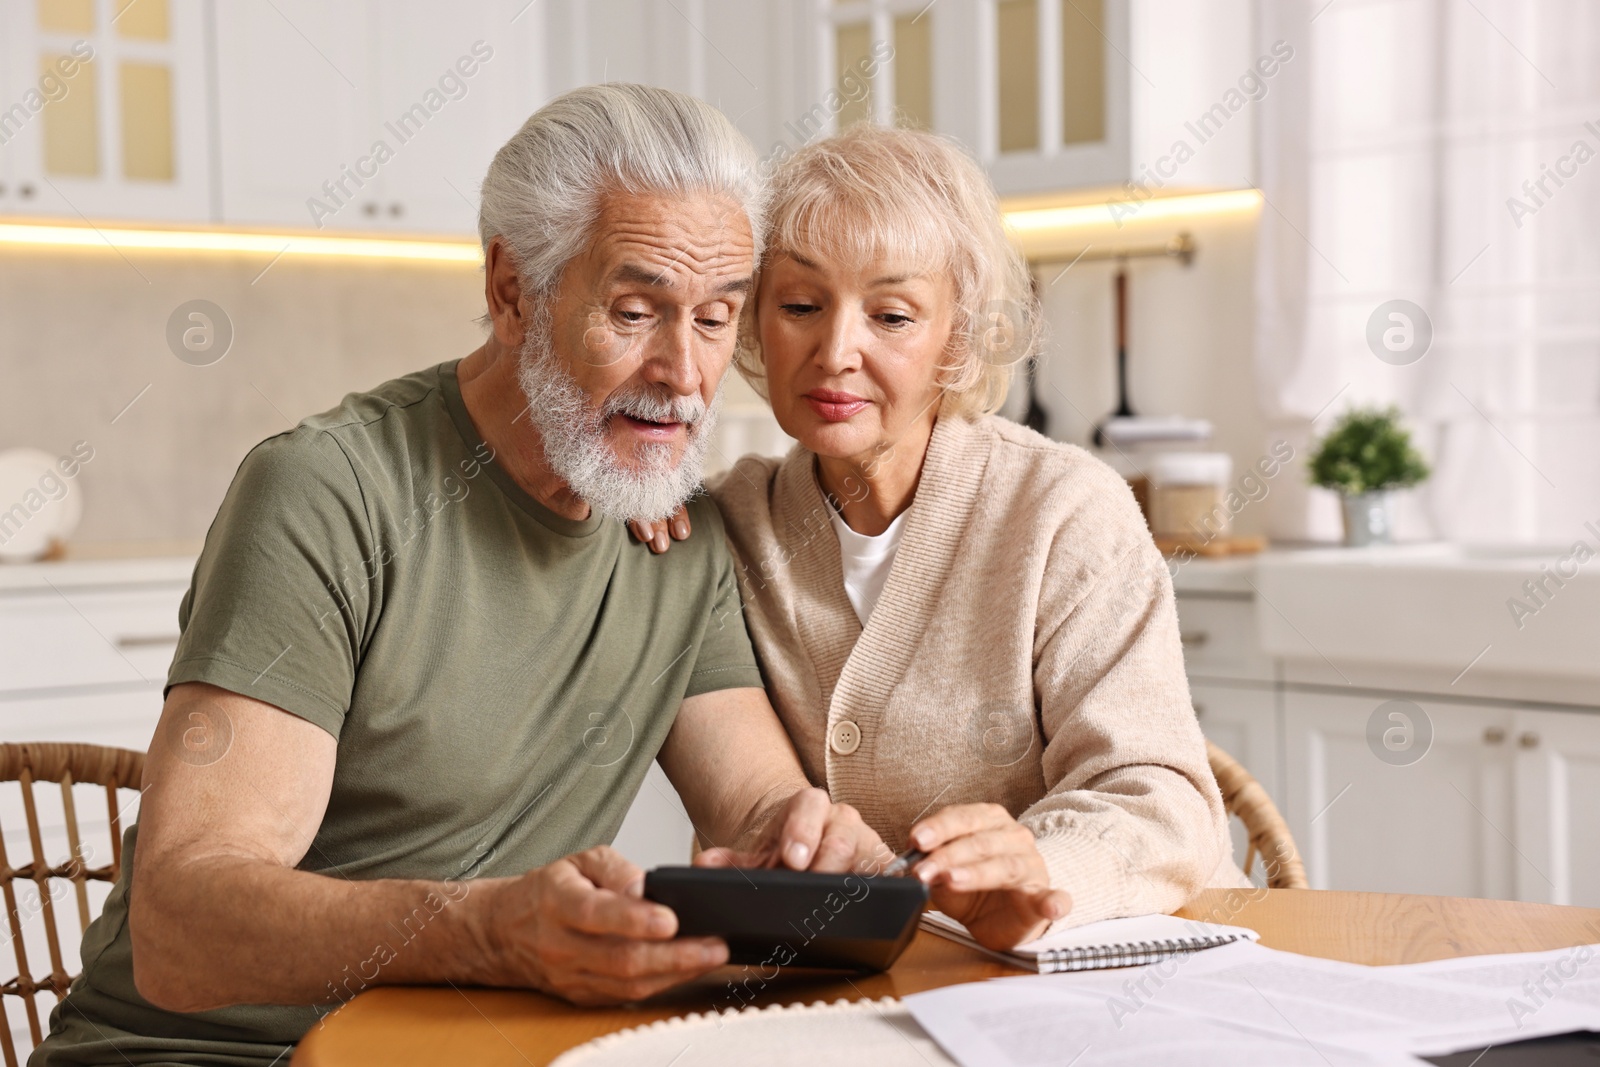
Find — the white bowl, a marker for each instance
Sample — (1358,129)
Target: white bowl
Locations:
(39,504)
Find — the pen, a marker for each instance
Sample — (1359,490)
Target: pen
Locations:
(906,860)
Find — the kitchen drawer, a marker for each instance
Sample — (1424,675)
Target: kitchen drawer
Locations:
(85,637)
(121,716)
(1219,638)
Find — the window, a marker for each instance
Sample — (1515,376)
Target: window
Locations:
(1444,156)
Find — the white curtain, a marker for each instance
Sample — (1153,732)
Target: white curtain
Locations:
(1445,152)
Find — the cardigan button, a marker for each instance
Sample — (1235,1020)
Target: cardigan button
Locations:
(845,737)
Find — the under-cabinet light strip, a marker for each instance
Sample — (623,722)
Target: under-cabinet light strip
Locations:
(1022,222)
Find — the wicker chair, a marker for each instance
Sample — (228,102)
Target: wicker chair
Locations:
(1270,840)
(25,764)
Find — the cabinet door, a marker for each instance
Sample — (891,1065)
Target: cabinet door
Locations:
(1243,722)
(453,83)
(293,91)
(13,120)
(1054,87)
(1036,89)
(1390,815)
(1558,796)
(111,118)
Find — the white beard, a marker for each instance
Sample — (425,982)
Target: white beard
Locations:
(579,450)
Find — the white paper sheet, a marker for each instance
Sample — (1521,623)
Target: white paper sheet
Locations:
(1538,992)
(1274,1000)
(1007,1024)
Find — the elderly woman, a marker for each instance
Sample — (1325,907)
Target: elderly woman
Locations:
(964,625)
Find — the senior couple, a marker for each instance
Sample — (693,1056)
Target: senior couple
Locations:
(424,668)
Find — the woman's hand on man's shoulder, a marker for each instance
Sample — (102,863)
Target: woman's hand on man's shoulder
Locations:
(660,534)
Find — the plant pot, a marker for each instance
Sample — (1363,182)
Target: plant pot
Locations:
(1368,518)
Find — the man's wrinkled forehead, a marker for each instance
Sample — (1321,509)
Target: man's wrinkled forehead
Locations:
(701,242)
(631,272)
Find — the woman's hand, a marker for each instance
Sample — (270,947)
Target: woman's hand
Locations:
(655,534)
(985,871)
(809,832)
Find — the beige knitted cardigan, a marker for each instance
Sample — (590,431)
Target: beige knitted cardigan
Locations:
(1024,652)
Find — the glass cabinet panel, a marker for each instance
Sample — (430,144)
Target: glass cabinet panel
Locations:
(142,20)
(1083,72)
(66,16)
(852,53)
(146,96)
(72,122)
(913,71)
(1017,65)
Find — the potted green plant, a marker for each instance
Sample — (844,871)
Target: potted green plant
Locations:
(1365,457)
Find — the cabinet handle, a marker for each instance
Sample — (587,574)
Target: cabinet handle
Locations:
(1193,640)
(1529,739)
(1199,710)
(26,191)
(146,640)
(369,209)
(396,210)
(1494,735)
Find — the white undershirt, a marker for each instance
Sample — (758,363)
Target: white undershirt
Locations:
(866,561)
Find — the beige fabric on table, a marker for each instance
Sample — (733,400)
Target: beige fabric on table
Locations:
(1024,652)
(861,1033)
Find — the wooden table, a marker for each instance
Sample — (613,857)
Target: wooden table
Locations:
(427,1025)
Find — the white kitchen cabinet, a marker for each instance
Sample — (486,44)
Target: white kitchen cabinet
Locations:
(1558,806)
(1057,95)
(69,637)
(1440,824)
(106,114)
(740,56)
(84,649)
(1218,631)
(454,83)
(1242,720)
(1503,802)
(292,84)
(368,115)
(1036,89)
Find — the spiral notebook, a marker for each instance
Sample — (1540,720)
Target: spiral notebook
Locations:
(1108,943)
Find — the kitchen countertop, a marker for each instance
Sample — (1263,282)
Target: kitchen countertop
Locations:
(1517,623)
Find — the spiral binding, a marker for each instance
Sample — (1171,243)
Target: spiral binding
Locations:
(1127,954)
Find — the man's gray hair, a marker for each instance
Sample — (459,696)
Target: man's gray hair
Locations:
(543,190)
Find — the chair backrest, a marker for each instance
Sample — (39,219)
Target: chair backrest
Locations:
(66,764)
(1270,840)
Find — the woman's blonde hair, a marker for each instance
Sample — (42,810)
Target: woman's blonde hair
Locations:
(875,192)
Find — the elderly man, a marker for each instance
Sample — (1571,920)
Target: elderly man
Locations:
(423,668)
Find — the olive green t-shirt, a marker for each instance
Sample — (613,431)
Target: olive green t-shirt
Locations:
(498,677)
